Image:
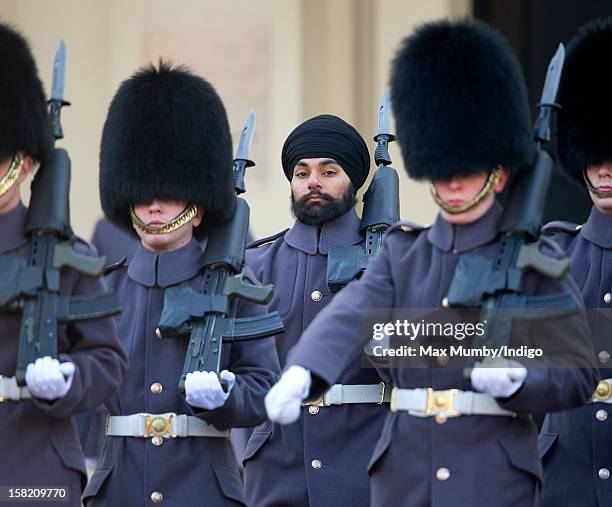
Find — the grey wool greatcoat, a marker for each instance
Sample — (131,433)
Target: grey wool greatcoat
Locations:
(39,440)
(321,460)
(183,471)
(467,460)
(576,445)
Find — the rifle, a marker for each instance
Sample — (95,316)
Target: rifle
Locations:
(32,284)
(204,317)
(380,211)
(496,284)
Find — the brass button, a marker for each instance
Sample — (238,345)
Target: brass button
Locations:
(159,425)
(604,356)
(601,415)
(440,400)
(156,388)
(316,464)
(158,333)
(440,418)
(607,298)
(604,473)
(445,302)
(157,440)
(316,295)
(442,360)
(313,410)
(442,473)
(603,389)
(156,497)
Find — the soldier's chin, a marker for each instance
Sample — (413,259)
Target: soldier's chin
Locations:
(604,204)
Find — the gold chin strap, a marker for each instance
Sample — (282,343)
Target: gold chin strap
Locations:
(13,173)
(597,193)
(185,216)
(489,186)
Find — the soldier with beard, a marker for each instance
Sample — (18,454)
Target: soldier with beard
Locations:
(321,460)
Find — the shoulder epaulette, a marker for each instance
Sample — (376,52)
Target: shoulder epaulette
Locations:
(407,226)
(561,226)
(115,266)
(259,242)
(549,247)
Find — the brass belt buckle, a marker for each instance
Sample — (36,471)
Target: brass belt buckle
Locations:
(319,402)
(603,392)
(159,426)
(441,402)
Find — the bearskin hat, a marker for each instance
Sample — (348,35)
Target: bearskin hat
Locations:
(166,136)
(583,134)
(24,123)
(460,101)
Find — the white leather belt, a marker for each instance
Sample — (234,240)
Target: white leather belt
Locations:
(169,425)
(10,391)
(603,393)
(449,403)
(344,394)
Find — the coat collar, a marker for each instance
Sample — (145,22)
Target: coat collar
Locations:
(598,228)
(12,229)
(165,269)
(342,231)
(462,238)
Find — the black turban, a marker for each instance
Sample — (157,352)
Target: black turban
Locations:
(328,136)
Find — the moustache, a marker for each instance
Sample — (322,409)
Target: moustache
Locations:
(315,193)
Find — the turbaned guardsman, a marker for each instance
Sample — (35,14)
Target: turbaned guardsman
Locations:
(463,123)
(576,445)
(166,173)
(37,432)
(322,459)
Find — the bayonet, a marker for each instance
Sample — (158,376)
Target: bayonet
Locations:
(242,160)
(56,102)
(383,137)
(549,96)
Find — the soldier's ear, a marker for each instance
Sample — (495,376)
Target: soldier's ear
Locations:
(198,218)
(26,168)
(503,181)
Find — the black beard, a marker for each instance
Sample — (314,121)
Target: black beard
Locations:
(318,214)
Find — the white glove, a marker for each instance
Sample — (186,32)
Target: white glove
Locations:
(283,402)
(49,379)
(203,389)
(499,382)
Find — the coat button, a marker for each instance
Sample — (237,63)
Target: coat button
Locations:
(445,302)
(440,418)
(607,298)
(316,464)
(442,360)
(157,440)
(158,332)
(316,295)
(442,474)
(604,473)
(455,251)
(604,356)
(601,415)
(156,497)
(313,410)
(156,388)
